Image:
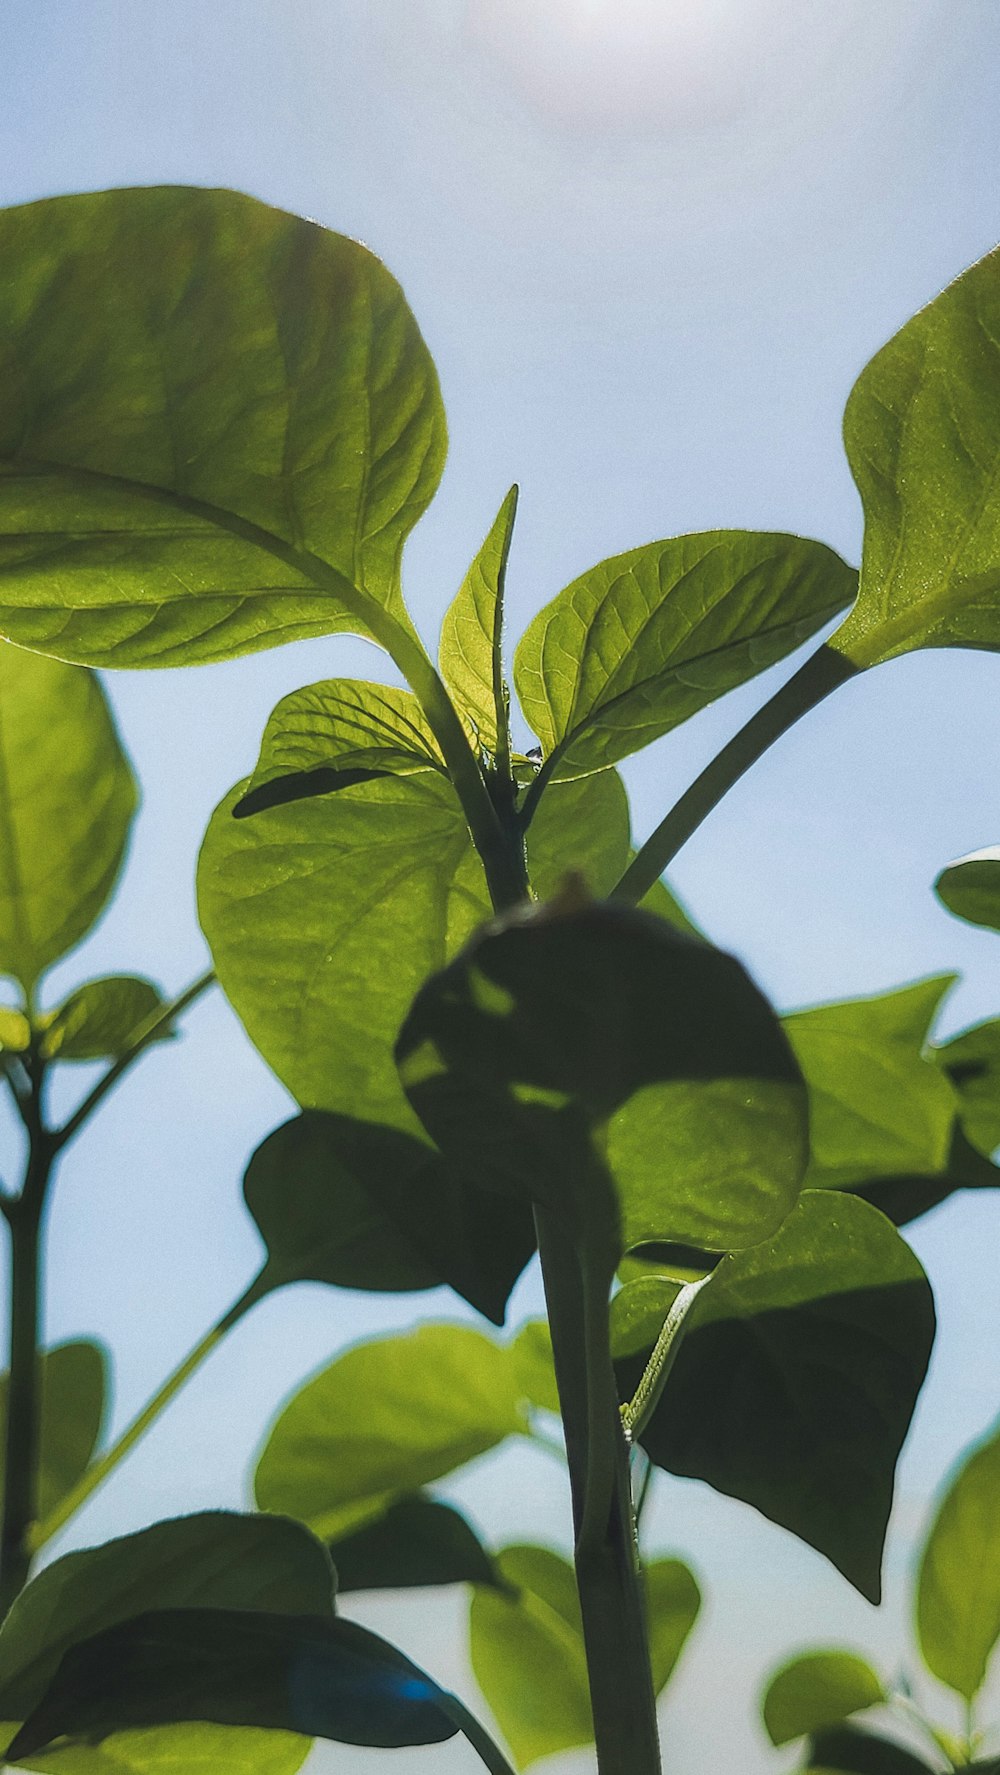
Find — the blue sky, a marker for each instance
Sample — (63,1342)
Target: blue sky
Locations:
(651,246)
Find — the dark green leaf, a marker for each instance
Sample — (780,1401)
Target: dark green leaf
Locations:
(596,1017)
(418,1541)
(328,736)
(971,1062)
(849,1750)
(73,1388)
(958,1589)
(215,1560)
(818,1689)
(646,639)
(100,1019)
(384,1419)
(311,1674)
(970,888)
(362,1206)
(527,1655)
(470,658)
(923,440)
(218,424)
(797,1377)
(67,797)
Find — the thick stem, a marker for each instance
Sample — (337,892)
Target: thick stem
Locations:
(821,674)
(607,1565)
(25,1217)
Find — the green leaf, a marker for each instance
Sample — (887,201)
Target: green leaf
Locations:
(325,917)
(15,1031)
(970,888)
(878,1105)
(646,639)
(311,1674)
(328,735)
(531,1354)
(67,797)
(357,1205)
(958,1587)
(101,1018)
(578,1028)
(923,441)
(811,1349)
(73,1388)
(672,1604)
(218,425)
(471,634)
(215,1560)
(971,1063)
(418,1541)
(163,1750)
(818,1689)
(387,1417)
(527,1655)
(850,1750)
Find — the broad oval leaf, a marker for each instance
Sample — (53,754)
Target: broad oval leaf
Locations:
(850,1750)
(310,1674)
(818,1689)
(583,1033)
(358,1205)
(215,1560)
(100,1019)
(644,640)
(201,1749)
(958,1587)
(15,1031)
(922,435)
(470,659)
(67,796)
(419,1541)
(218,424)
(970,887)
(73,1380)
(326,736)
(812,1348)
(386,1418)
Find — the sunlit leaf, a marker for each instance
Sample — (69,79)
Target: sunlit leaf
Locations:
(527,1655)
(970,888)
(218,424)
(643,641)
(812,1348)
(958,1589)
(531,1354)
(73,1399)
(383,1420)
(922,434)
(15,1031)
(818,1689)
(67,797)
(470,658)
(100,1019)
(201,1749)
(419,1541)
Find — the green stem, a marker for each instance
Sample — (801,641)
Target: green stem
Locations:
(637,1413)
(99,1470)
(477,1735)
(147,1034)
(822,673)
(607,1566)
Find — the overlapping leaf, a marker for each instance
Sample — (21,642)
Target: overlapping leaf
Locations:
(67,797)
(330,735)
(971,1063)
(218,423)
(419,1541)
(850,1750)
(922,434)
(470,658)
(643,641)
(99,1019)
(958,1589)
(970,888)
(73,1390)
(817,1690)
(812,1348)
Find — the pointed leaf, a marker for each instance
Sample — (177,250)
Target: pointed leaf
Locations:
(811,1349)
(646,639)
(970,888)
(218,424)
(816,1690)
(384,1419)
(357,1205)
(73,1387)
(101,1018)
(672,1604)
(418,1541)
(67,797)
(971,1063)
(212,1560)
(849,1750)
(923,441)
(470,658)
(958,1588)
(327,735)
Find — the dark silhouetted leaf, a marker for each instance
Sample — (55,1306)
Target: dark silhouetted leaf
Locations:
(848,1750)
(418,1541)
(970,888)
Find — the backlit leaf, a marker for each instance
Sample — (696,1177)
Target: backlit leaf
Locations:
(527,1655)
(73,1389)
(958,1589)
(470,658)
(100,1019)
(201,1749)
(218,424)
(818,1689)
